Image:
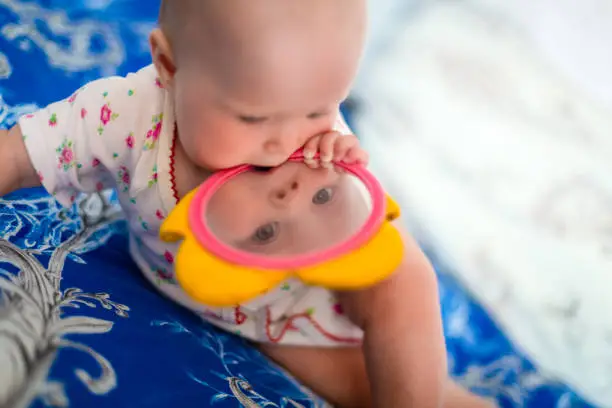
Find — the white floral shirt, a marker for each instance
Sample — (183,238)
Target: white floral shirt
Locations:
(118,132)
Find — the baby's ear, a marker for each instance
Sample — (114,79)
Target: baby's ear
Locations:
(163,58)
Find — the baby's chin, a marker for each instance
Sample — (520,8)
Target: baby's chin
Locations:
(215,163)
(218,164)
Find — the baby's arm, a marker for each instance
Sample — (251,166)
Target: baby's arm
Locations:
(402,362)
(403,346)
(79,144)
(404,350)
(16,170)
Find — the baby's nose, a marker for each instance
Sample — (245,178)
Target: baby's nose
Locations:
(283,143)
(279,148)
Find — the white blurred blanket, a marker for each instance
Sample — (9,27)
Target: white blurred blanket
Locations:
(505,166)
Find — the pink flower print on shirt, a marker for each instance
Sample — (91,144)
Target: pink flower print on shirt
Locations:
(158,83)
(53,120)
(162,276)
(123,179)
(99,186)
(129,141)
(157,130)
(106,115)
(83,113)
(65,156)
(338,309)
(154,132)
(29,116)
(72,98)
(159,214)
(95,162)
(154,175)
(41,178)
(169,257)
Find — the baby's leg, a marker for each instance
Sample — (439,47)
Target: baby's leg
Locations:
(336,374)
(339,376)
(459,397)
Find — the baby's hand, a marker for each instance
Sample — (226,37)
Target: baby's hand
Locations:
(334,147)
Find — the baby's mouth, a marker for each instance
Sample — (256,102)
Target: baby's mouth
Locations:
(262,169)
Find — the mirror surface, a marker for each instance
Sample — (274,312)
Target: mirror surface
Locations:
(289,210)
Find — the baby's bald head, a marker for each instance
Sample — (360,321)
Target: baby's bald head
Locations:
(176,15)
(231,34)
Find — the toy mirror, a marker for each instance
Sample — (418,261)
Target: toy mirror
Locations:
(290,212)
(247,229)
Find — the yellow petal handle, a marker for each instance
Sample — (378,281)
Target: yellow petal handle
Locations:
(392,210)
(176,225)
(215,282)
(366,266)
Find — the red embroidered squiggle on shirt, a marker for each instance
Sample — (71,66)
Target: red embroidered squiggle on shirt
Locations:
(172,163)
(288,326)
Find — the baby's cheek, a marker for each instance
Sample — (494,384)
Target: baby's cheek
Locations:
(321,126)
(229,222)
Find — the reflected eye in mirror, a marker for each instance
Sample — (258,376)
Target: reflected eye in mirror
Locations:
(323,196)
(265,234)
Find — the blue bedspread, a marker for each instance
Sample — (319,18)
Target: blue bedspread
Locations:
(80,327)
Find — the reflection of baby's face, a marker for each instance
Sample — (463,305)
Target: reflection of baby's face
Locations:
(289,210)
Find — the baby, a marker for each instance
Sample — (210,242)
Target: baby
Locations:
(233,82)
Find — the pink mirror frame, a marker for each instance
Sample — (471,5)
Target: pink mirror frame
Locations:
(207,239)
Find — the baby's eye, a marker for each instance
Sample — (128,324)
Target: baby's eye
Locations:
(323,196)
(265,234)
(317,115)
(252,119)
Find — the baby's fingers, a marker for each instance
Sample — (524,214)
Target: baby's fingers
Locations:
(333,147)
(327,147)
(343,146)
(311,147)
(357,155)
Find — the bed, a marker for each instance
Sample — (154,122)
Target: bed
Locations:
(79,325)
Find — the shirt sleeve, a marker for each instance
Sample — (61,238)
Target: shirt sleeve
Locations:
(77,144)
